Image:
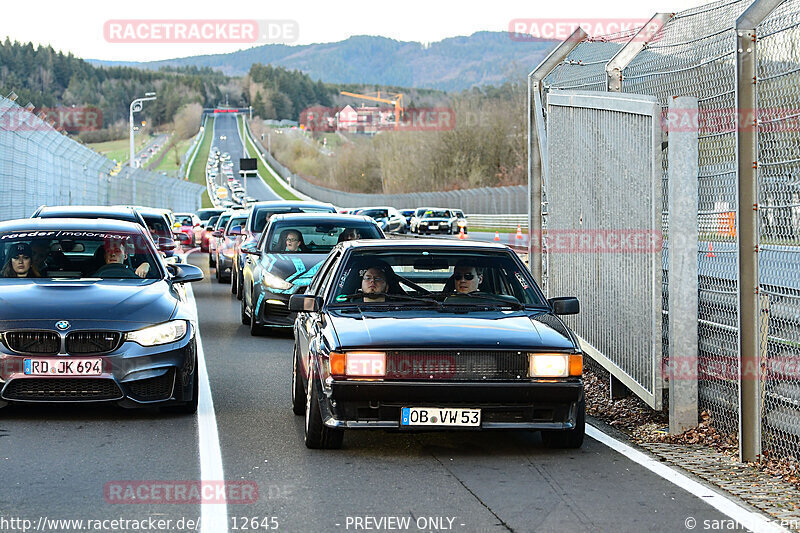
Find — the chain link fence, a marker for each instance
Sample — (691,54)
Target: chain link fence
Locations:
(39,165)
(695,54)
(778,138)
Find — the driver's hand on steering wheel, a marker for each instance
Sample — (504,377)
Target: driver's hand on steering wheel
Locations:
(143,269)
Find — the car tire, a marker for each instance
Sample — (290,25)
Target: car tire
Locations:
(568,438)
(233,278)
(317,435)
(245,318)
(298,391)
(212,261)
(239,288)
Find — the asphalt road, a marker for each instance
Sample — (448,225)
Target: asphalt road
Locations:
(56,460)
(226,125)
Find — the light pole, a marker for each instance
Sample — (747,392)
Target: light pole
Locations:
(136,106)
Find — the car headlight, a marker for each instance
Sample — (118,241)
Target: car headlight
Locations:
(358,364)
(165,333)
(554,365)
(274,282)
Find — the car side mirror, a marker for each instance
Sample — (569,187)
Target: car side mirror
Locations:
(165,244)
(567,305)
(307,303)
(217,234)
(236,230)
(183,273)
(182,238)
(249,248)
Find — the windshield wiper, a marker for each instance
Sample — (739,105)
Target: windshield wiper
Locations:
(389,296)
(494,298)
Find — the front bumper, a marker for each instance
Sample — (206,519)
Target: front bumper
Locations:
(132,375)
(440,229)
(272,309)
(504,405)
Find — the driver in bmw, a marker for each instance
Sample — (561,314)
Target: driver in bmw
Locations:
(116,253)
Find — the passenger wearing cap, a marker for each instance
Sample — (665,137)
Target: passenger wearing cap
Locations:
(19,263)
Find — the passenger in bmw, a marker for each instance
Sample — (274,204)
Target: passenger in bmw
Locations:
(115,253)
(19,263)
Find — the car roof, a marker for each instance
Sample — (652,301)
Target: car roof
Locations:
(69,224)
(288,203)
(87,211)
(321,217)
(427,244)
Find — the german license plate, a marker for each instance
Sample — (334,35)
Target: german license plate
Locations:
(433,226)
(439,416)
(63,367)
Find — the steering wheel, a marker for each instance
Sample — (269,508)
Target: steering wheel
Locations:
(115,270)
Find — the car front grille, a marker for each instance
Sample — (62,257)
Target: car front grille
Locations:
(58,389)
(458,366)
(274,310)
(34,342)
(92,342)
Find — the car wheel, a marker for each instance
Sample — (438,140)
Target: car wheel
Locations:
(318,436)
(233,279)
(239,288)
(568,438)
(245,318)
(256,330)
(212,260)
(298,391)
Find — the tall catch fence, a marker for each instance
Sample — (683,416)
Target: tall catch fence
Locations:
(741,61)
(39,165)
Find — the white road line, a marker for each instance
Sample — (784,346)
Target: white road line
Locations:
(751,520)
(214,516)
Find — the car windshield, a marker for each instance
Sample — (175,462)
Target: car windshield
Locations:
(222,221)
(374,213)
(438,278)
(315,238)
(236,221)
(261,216)
(77,254)
(158,226)
(436,214)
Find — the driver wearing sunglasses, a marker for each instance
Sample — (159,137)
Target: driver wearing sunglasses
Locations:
(467,278)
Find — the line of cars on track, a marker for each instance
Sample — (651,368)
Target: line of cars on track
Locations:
(404,334)
(422,220)
(393,334)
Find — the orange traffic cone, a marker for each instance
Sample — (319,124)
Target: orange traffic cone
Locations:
(711,250)
(461,234)
(519,231)
(497,235)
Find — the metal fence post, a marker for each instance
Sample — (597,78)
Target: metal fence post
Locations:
(637,43)
(683,283)
(536,153)
(748,225)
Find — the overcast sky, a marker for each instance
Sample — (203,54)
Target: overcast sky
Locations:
(77,27)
